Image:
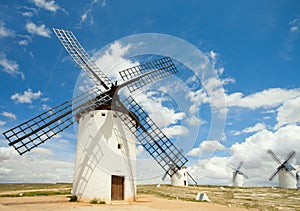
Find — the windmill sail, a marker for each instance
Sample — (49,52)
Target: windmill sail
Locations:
(39,129)
(82,59)
(153,139)
(283,165)
(149,72)
(36,131)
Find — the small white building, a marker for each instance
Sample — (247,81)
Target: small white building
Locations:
(286,180)
(180,178)
(237,180)
(105,167)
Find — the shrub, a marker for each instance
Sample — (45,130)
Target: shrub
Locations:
(73,199)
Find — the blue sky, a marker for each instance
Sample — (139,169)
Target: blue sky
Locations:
(253,49)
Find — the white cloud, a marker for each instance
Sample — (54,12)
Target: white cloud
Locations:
(6,153)
(10,66)
(294,25)
(253,151)
(113,60)
(163,116)
(27,11)
(88,13)
(4,32)
(207,146)
(27,97)
(194,120)
(2,123)
(266,98)
(47,5)
(64,141)
(212,171)
(139,150)
(176,130)
(39,30)
(9,115)
(255,128)
(42,151)
(103,3)
(288,113)
(4,171)
(294,28)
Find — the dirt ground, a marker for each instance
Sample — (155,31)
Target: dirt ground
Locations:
(143,202)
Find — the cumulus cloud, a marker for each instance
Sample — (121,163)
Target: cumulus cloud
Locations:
(42,151)
(113,60)
(9,115)
(266,98)
(212,171)
(207,146)
(4,32)
(47,5)
(176,130)
(39,30)
(2,123)
(10,66)
(7,153)
(253,151)
(255,128)
(288,113)
(194,120)
(27,97)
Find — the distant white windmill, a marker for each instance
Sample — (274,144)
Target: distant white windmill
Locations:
(180,178)
(238,176)
(285,171)
(298,179)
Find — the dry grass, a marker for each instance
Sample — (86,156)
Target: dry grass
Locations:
(260,197)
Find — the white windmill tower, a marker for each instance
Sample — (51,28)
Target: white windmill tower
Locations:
(107,128)
(238,176)
(298,179)
(286,177)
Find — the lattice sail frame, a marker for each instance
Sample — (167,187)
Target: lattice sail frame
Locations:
(153,139)
(282,164)
(160,68)
(36,131)
(39,129)
(82,59)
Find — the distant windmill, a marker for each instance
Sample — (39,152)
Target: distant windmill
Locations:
(298,179)
(285,176)
(108,127)
(179,177)
(238,176)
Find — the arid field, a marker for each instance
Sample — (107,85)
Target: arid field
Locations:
(151,197)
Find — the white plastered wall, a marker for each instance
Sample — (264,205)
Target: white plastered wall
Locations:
(98,157)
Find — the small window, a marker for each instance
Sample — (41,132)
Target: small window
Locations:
(115,116)
(92,115)
(102,114)
(119,146)
(184,174)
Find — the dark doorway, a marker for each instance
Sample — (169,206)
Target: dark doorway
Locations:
(117,188)
(184,182)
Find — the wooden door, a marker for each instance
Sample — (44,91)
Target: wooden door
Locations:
(117,188)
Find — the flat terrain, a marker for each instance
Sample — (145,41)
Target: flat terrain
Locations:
(150,197)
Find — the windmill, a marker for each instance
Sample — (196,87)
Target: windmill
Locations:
(108,128)
(179,177)
(238,176)
(285,176)
(298,179)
